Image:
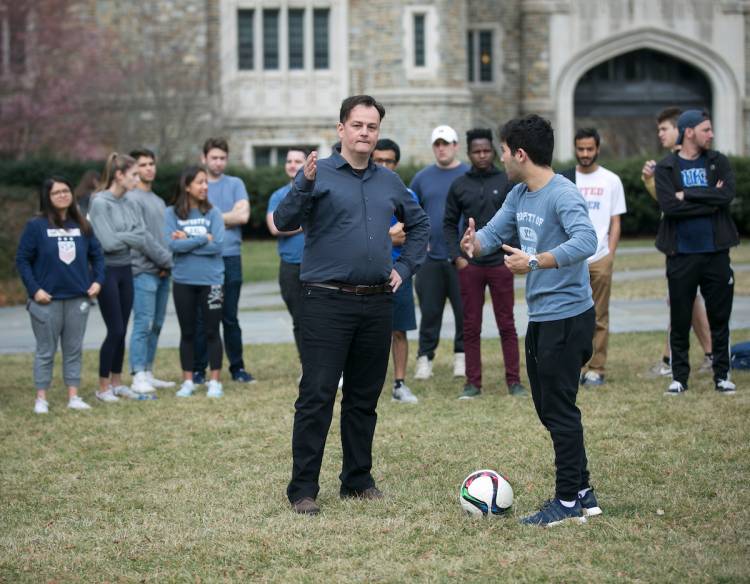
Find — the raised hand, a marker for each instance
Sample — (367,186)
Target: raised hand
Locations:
(311,165)
(469,243)
(648,168)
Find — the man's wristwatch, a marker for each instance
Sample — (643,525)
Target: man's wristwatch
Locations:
(533,263)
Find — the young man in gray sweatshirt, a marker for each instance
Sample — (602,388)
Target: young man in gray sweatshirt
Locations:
(150,279)
(549,216)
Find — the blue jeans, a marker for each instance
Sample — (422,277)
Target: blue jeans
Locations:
(149,309)
(229,321)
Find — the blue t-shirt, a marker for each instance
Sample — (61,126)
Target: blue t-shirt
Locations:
(695,234)
(223,195)
(431,185)
(396,251)
(290,246)
(554,219)
(197,261)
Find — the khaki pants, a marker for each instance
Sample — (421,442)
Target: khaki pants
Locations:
(600,273)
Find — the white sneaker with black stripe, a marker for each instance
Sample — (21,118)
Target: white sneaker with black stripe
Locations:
(675,388)
(726,387)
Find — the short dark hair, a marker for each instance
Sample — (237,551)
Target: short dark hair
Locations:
(477,134)
(302,149)
(534,135)
(388,144)
(351,102)
(670,114)
(587,133)
(211,143)
(142,153)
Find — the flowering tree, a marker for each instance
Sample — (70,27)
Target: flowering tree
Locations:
(53,100)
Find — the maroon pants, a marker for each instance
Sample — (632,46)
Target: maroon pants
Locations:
(474,280)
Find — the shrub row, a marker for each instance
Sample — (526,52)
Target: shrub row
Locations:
(19,179)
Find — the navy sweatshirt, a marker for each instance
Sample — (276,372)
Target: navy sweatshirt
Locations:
(62,262)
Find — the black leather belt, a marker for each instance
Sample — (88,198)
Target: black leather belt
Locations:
(359,290)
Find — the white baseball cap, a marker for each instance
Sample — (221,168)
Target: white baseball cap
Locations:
(444,133)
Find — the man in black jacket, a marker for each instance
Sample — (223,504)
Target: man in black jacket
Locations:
(694,188)
(479,194)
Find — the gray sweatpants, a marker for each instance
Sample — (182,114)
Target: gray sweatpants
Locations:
(60,319)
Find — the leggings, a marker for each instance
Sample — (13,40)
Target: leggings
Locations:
(187,298)
(115,302)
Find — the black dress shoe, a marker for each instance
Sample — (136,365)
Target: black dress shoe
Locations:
(306,506)
(370,493)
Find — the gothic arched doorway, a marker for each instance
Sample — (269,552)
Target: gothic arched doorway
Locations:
(622,96)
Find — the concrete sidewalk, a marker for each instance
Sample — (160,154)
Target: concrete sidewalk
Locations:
(265,320)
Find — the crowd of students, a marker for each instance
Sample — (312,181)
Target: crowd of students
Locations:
(124,251)
(112,240)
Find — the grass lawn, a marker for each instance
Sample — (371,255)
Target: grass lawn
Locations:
(193,490)
(260,260)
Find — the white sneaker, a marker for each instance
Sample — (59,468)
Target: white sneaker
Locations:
(124,391)
(158,383)
(107,396)
(459,365)
(76,403)
(141,383)
(215,389)
(41,406)
(675,388)
(424,368)
(186,390)
(726,387)
(404,395)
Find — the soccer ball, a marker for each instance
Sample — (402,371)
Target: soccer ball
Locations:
(485,492)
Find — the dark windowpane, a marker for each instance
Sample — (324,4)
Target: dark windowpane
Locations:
(470,54)
(296,38)
(271,39)
(485,55)
(245,37)
(263,156)
(18,29)
(419,40)
(320,37)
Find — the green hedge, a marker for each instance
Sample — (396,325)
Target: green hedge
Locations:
(641,219)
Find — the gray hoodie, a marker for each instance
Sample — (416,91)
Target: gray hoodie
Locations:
(152,209)
(119,226)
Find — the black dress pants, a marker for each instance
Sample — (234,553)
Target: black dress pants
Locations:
(437,281)
(291,293)
(339,332)
(713,273)
(555,352)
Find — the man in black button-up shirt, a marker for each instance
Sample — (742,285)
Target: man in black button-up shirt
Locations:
(344,204)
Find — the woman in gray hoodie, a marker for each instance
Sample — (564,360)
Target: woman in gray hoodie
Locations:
(119,227)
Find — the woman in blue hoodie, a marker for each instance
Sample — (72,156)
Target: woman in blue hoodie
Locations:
(194,231)
(62,267)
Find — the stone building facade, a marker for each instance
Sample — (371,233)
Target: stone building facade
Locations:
(422,59)
(272,73)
